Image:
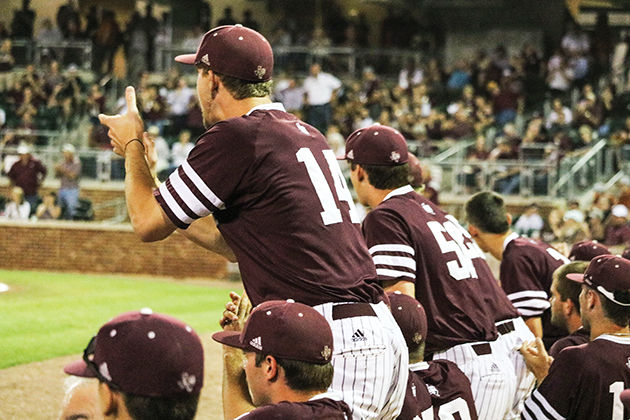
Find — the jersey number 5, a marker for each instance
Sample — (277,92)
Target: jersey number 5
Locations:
(331,213)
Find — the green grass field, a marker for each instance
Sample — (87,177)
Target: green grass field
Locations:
(45,315)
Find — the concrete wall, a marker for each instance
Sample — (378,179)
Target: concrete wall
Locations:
(98,248)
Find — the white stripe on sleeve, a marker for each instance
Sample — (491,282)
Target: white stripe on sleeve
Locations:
(201,186)
(172,204)
(392,248)
(395,261)
(185,194)
(393,273)
(537,403)
(532,304)
(528,293)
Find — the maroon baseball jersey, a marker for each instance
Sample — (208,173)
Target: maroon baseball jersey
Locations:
(526,273)
(316,409)
(412,239)
(584,383)
(448,387)
(417,402)
(579,336)
(281,203)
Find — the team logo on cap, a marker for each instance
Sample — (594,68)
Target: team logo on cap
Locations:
(256,343)
(395,156)
(350,154)
(103,370)
(205,60)
(260,72)
(188,382)
(628,363)
(326,353)
(417,338)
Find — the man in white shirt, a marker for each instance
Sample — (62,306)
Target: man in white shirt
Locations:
(319,90)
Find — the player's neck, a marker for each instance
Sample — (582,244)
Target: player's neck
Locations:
(377,196)
(288,394)
(237,108)
(605,326)
(574,323)
(494,243)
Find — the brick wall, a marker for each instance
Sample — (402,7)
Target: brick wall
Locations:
(91,247)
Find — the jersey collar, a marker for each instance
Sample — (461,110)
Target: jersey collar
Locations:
(620,339)
(274,106)
(509,239)
(399,191)
(333,395)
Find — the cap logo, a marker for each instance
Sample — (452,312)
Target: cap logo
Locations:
(188,382)
(205,60)
(395,156)
(326,353)
(260,72)
(103,370)
(628,363)
(256,343)
(417,338)
(350,155)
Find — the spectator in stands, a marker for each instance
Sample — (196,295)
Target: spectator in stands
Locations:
(227,18)
(319,90)
(163,152)
(18,208)
(137,45)
(69,171)
(48,209)
(560,116)
(23,21)
(178,101)
(68,16)
(80,401)
(48,34)
(6,56)
(167,360)
(530,223)
(28,174)
(107,38)
(290,94)
(181,149)
(617,230)
(249,21)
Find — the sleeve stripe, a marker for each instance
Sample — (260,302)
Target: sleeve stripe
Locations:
(168,211)
(202,187)
(172,204)
(539,406)
(533,304)
(188,196)
(528,293)
(392,248)
(384,272)
(394,261)
(529,312)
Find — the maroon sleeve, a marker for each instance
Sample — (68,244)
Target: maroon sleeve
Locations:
(521,283)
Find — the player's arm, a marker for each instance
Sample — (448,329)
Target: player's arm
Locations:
(405,287)
(204,233)
(126,133)
(535,325)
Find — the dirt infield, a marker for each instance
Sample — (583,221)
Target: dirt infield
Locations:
(35,390)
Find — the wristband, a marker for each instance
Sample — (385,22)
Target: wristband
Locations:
(132,140)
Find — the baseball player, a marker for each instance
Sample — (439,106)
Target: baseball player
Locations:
(149,366)
(587,250)
(288,350)
(423,252)
(526,267)
(282,207)
(565,307)
(585,382)
(446,386)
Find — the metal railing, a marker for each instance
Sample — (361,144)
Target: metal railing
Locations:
(78,52)
(580,173)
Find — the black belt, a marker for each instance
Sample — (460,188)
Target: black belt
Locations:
(505,328)
(350,310)
(481,349)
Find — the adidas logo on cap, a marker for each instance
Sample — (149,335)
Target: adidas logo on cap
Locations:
(256,343)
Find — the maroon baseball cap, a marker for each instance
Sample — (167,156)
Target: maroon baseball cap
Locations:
(626,253)
(376,145)
(284,329)
(587,250)
(607,274)
(144,353)
(410,316)
(235,51)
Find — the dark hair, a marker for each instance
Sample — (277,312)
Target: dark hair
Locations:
(486,211)
(568,289)
(618,314)
(241,89)
(385,177)
(416,352)
(179,407)
(303,376)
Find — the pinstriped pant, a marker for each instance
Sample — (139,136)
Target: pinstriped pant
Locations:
(371,362)
(525,380)
(491,376)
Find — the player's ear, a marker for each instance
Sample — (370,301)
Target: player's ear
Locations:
(271,368)
(472,229)
(361,175)
(509,218)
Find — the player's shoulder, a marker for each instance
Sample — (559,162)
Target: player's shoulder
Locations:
(323,408)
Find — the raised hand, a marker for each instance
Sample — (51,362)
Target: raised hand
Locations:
(126,127)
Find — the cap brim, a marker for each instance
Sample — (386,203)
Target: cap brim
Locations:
(229,338)
(79,368)
(576,277)
(186,58)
